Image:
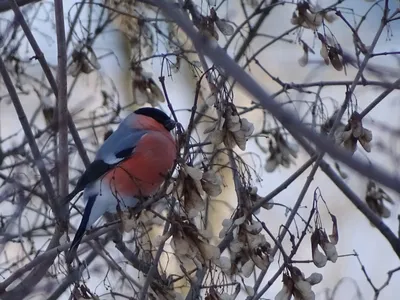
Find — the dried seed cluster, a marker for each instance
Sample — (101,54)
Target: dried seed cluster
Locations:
(213,294)
(349,134)
(193,184)
(146,218)
(248,248)
(83,60)
(303,61)
(281,153)
(320,239)
(376,198)
(352,133)
(230,129)
(254,197)
(206,25)
(331,52)
(295,284)
(145,90)
(190,245)
(310,16)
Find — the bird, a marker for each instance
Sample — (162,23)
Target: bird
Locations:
(131,164)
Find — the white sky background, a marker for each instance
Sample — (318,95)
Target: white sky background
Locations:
(355,231)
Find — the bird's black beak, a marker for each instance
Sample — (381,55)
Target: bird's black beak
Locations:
(170,124)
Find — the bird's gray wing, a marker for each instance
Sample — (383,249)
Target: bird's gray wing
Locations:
(119,146)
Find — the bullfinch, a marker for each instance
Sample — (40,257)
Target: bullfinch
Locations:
(131,164)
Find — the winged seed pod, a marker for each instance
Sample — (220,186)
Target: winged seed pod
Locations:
(249,290)
(254,197)
(230,129)
(376,199)
(226,225)
(147,217)
(190,190)
(225,264)
(211,183)
(319,238)
(222,24)
(206,25)
(303,290)
(213,97)
(81,292)
(286,292)
(324,53)
(314,278)
(305,18)
(189,244)
(330,250)
(310,16)
(281,153)
(295,284)
(319,258)
(145,90)
(213,294)
(327,126)
(163,290)
(83,60)
(335,53)
(248,248)
(334,236)
(303,61)
(354,132)
(331,52)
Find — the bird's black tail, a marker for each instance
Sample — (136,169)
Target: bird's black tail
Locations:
(74,246)
(81,231)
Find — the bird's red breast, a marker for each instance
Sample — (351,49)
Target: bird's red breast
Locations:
(147,168)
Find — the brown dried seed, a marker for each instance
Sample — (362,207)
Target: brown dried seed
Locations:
(335,59)
(350,144)
(367,135)
(324,54)
(366,145)
(226,28)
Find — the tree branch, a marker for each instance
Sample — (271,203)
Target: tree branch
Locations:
(62,104)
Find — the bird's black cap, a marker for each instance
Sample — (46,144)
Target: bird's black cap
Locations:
(157,115)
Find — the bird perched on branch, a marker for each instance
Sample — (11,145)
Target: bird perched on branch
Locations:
(132,163)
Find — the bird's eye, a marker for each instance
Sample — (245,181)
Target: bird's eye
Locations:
(170,124)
